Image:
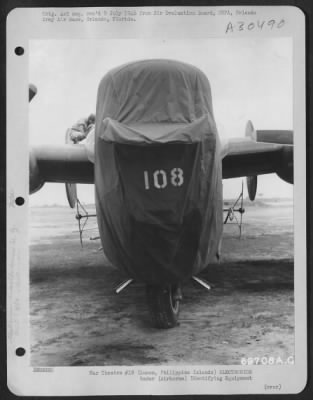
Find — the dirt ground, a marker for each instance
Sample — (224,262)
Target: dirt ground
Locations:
(77,319)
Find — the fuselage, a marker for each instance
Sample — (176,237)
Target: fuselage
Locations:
(158,174)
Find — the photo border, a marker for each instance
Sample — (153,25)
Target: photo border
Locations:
(309,74)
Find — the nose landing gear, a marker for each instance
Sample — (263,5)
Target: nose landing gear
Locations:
(163,302)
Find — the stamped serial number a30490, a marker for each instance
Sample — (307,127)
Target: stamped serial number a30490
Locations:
(160,178)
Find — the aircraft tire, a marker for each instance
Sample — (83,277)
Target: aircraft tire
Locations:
(163,307)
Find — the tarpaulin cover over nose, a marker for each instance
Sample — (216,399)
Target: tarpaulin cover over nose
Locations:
(157,171)
(154,91)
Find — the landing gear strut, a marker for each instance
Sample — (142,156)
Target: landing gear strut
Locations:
(163,303)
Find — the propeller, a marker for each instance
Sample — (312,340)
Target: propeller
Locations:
(252,181)
(252,184)
(70,188)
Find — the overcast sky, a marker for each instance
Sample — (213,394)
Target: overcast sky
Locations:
(250,79)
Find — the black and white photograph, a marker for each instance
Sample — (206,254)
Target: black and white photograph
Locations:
(164,243)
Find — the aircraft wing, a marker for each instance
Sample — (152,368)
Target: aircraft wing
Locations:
(260,152)
(68,163)
(245,157)
(240,157)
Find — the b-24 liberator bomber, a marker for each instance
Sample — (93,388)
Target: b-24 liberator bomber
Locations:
(157,163)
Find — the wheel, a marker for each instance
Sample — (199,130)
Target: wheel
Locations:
(163,303)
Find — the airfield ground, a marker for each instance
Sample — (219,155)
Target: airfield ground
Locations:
(76,319)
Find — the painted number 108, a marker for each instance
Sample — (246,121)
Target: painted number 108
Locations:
(159,178)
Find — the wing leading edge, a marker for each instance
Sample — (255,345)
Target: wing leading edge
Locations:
(247,158)
(63,163)
(260,152)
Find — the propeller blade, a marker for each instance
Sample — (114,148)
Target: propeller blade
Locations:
(70,188)
(252,184)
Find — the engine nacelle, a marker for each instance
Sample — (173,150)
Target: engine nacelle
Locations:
(286,171)
(36,181)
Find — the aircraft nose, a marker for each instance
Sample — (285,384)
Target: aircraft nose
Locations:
(164,252)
